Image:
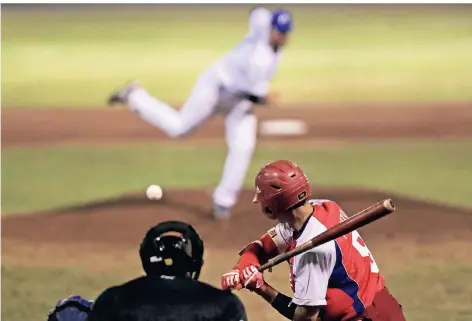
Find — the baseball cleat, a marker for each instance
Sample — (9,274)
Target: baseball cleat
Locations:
(221,212)
(121,96)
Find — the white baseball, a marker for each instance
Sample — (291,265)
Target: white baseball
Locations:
(154,192)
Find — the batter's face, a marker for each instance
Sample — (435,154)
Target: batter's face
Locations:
(278,39)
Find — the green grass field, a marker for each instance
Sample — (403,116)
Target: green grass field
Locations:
(438,171)
(67,58)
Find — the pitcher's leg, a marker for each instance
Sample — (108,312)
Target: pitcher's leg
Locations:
(156,112)
(198,107)
(241,133)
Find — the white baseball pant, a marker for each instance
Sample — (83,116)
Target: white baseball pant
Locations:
(206,99)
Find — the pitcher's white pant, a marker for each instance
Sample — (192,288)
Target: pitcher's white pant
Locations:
(206,99)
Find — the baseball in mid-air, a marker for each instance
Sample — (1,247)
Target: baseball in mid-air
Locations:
(154,192)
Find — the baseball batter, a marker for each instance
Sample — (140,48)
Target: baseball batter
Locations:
(339,280)
(229,87)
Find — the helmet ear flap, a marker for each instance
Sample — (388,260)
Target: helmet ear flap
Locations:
(269,213)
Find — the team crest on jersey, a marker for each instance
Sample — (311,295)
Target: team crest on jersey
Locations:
(272,233)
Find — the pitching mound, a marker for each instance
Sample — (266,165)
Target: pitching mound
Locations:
(123,221)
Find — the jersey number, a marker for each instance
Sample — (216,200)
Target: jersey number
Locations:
(360,246)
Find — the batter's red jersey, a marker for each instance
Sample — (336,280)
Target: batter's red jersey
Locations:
(341,275)
(356,277)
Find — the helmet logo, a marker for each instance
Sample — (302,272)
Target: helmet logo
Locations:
(155,259)
(283,18)
(301,195)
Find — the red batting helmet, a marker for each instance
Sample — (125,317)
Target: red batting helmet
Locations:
(280,186)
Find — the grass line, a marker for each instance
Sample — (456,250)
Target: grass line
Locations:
(45,178)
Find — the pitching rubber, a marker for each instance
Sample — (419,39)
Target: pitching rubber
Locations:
(283,127)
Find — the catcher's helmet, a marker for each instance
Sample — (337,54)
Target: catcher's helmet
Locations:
(169,254)
(280,187)
(72,308)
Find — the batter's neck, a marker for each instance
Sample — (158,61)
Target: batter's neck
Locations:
(301,215)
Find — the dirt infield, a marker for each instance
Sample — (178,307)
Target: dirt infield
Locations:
(124,220)
(32,127)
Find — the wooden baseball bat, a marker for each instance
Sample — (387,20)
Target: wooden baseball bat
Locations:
(354,222)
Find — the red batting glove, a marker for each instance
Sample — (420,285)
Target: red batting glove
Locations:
(251,278)
(246,267)
(231,280)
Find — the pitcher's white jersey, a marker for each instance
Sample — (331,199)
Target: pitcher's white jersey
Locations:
(250,66)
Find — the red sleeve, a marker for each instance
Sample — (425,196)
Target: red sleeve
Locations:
(258,252)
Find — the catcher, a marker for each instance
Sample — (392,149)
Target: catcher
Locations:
(339,280)
(172,257)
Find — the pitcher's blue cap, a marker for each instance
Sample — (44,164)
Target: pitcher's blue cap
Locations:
(282,21)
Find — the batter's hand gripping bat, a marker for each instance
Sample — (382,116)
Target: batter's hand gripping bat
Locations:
(354,222)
